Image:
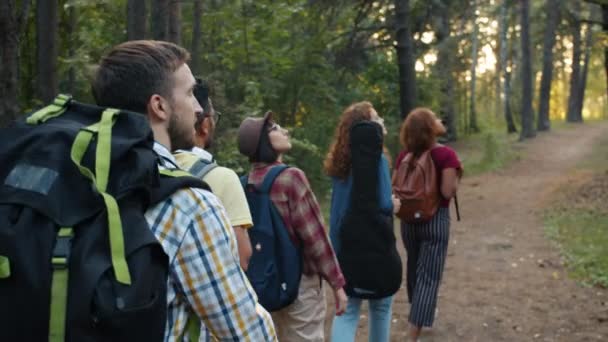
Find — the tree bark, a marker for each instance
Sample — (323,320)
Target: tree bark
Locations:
(175,21)
(575,76)
(159,20)
(405,57)
(46,49)
(511,128)
(605,29)
(72,46)
(474,52)
(583,79)
(527,117)
(11,28)
(444,71)
(552,10)
(136,19)
(196,35)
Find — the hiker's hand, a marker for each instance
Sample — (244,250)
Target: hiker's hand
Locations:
(340,299)
(396,204)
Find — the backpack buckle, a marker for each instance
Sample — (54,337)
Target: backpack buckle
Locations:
(61,251)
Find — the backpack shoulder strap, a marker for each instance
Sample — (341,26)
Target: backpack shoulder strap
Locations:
(270,177)
(172,180)
(202,167)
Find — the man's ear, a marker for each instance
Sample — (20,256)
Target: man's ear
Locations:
(205,126)
(158,108)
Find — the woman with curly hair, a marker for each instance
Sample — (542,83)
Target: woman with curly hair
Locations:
(426,243)
(361,221)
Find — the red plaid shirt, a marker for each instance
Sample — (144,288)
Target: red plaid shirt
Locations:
(295,201)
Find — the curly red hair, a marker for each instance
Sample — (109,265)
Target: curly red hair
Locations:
(337,162)
(419,131)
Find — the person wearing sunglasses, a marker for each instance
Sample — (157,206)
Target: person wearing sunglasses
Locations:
(264,142)
(223,181)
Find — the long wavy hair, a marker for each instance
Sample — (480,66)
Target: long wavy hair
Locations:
(419,131)
(337,162)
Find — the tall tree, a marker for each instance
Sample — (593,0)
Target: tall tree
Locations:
(605,29)
(405,57)
(553,13)
(197,15)
(506,49)
(446,47)
(175,21)
(582,84)
(575,76)
(136,19)
(474,55)
(159,19)
(46,49)
(72,44)
(12,24)
(527,117)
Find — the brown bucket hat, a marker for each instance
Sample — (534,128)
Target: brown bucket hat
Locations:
(250,132)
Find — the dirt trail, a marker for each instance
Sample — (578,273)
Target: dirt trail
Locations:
(503,279)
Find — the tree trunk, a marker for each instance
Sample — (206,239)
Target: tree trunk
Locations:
(46,49)
(505,50)
(605,29)
(576,67)
(11,29)
(583,79)
(159,21)
(501,64)
(196,35)
(511,128)
(136,19)
(474,50)
(444,70)
(527,117)
(405,57)
(175,21)
(552,8)
(72,38)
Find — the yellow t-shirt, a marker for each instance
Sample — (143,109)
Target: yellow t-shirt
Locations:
(226,185)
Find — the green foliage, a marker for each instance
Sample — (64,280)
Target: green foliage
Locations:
(578,219)
(487,152)
(581,234)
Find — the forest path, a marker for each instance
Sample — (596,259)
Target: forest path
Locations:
(503,279)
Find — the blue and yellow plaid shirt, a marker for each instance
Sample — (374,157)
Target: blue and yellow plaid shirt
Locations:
(204,272)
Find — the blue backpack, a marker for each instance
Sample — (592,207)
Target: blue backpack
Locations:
(275,267)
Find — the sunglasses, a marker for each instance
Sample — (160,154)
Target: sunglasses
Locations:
(275,127)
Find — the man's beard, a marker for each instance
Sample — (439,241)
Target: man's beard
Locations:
(182,138)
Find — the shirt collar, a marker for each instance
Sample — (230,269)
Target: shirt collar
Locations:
(164,154)
(201,153)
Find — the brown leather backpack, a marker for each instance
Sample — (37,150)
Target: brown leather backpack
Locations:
(415,184)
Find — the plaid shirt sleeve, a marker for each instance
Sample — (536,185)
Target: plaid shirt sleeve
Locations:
(205,272)
(307,222)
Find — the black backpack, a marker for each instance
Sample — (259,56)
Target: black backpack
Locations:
(368,252)
(78,261)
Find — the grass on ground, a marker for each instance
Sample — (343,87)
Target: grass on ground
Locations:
(577,220)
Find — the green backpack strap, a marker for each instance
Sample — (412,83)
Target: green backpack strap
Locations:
(103,130)
(58,107)
(193,328)
(5,267)
(59,285)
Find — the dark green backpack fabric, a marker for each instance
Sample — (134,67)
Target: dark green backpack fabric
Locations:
(78,261)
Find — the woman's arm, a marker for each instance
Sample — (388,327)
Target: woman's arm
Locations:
(449,182)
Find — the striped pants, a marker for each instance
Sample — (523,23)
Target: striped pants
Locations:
(426,245)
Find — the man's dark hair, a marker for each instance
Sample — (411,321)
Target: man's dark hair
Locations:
(134,71)
(201,92)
